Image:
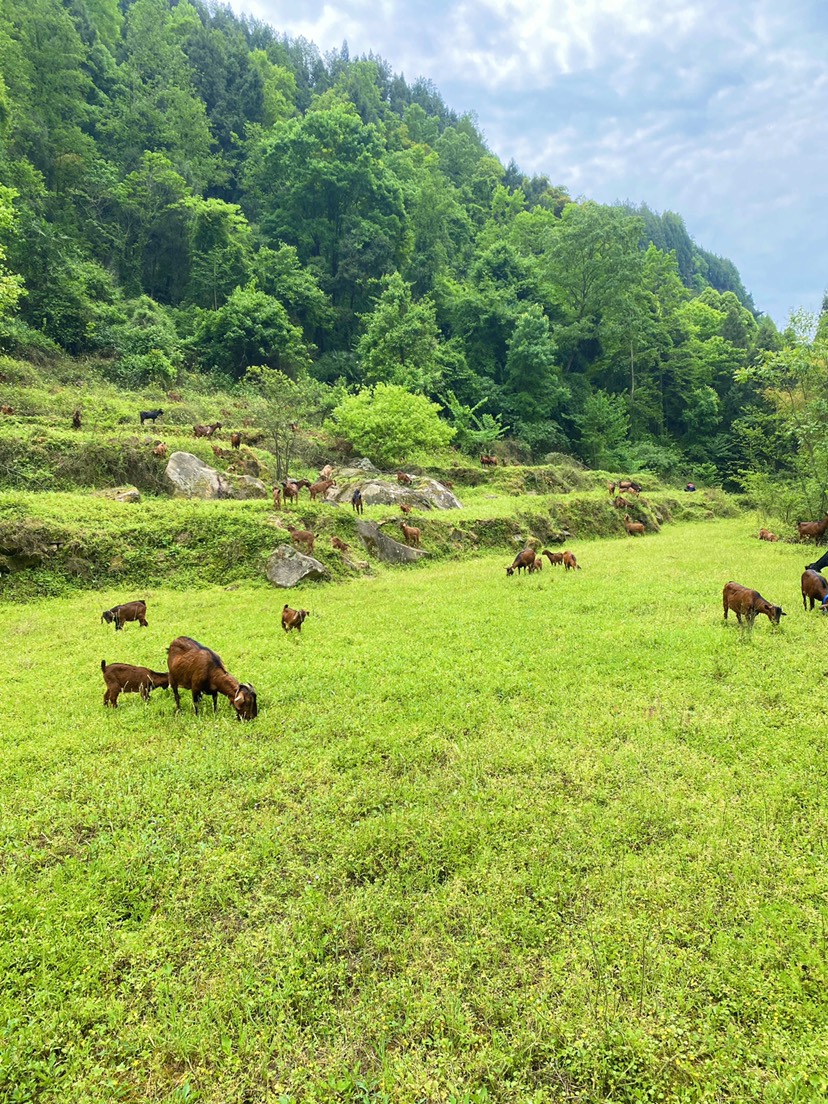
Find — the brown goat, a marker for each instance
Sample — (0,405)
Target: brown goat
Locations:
(748,603)
(327,472)
(620,503)
(129,611)
(814,587)
(196,668)
(630,486)
(321,488)
(634,528)
(488,461)
(767,535)
(6,409)
(404,478)
(411,533)
(206,430)
(537,565)
(123,678)
(356,501)
(809,529)
(76,419)
(291,491)
(406,509)
(160,450)
(611,488)
(303,537)
(522,561)
(292,619)
(570,563)
(554,558)
(235,440)
(339,544)
(277,499)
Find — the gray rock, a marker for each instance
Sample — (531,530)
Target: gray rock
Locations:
(192,478)
(287,567)
(424,494)
(384,548)
(120,494)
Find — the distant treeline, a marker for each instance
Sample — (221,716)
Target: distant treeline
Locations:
(184,187)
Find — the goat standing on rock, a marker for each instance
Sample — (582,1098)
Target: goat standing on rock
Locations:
(196,668)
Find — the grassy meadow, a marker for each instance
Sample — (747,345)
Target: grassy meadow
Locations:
(540,839)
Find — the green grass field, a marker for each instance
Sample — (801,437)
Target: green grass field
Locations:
(546,839)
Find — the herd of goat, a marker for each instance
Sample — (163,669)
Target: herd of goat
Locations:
(193,666)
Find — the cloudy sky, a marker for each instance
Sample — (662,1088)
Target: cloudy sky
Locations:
(716,109)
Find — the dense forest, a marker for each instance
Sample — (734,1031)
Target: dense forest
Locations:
(185,190)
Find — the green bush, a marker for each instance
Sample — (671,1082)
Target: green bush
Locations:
(387,423)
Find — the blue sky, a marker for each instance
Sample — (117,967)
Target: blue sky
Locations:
(716,109)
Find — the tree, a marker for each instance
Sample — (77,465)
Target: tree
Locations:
(251,329)
(289,402)
(221,252)
(604,425)
(11,285)
(386,423)
(401,340)
(794,382)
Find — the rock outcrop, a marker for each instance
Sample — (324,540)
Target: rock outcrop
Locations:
(384,547)
(287,567)
(424,494)
(190,477)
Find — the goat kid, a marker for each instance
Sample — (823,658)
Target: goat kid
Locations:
(129,611)
(123,678)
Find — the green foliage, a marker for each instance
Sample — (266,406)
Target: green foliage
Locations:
(604,425)
(400,344)
(386,423)
(252,328)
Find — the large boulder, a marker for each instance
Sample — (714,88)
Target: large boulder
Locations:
(287,567)
(384,548)
(192,478)
(425,494)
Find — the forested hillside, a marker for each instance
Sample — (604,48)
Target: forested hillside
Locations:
(184,189)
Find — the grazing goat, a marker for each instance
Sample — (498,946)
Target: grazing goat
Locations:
(634,528)
(537,565)
(129,611)
(411,534)
(302,536)
(206,430)
(277,499)
(748,603)
(448,484)
(326,472)
(522,561)
(767,535)
(406,509)
(6,409)
(404,479)
(488,461)
(620,503)
(196,668)
(76,419)
(338,543)
(150,415)
(235,440)
(630,486)
(290,490)
(814,587)
(356,500)
(292,619)
(611,488)
(570,563)
(815,529)
(321,488)
(554,558)
(160,450)
(123,678)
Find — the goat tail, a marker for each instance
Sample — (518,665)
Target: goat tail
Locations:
(103,664)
